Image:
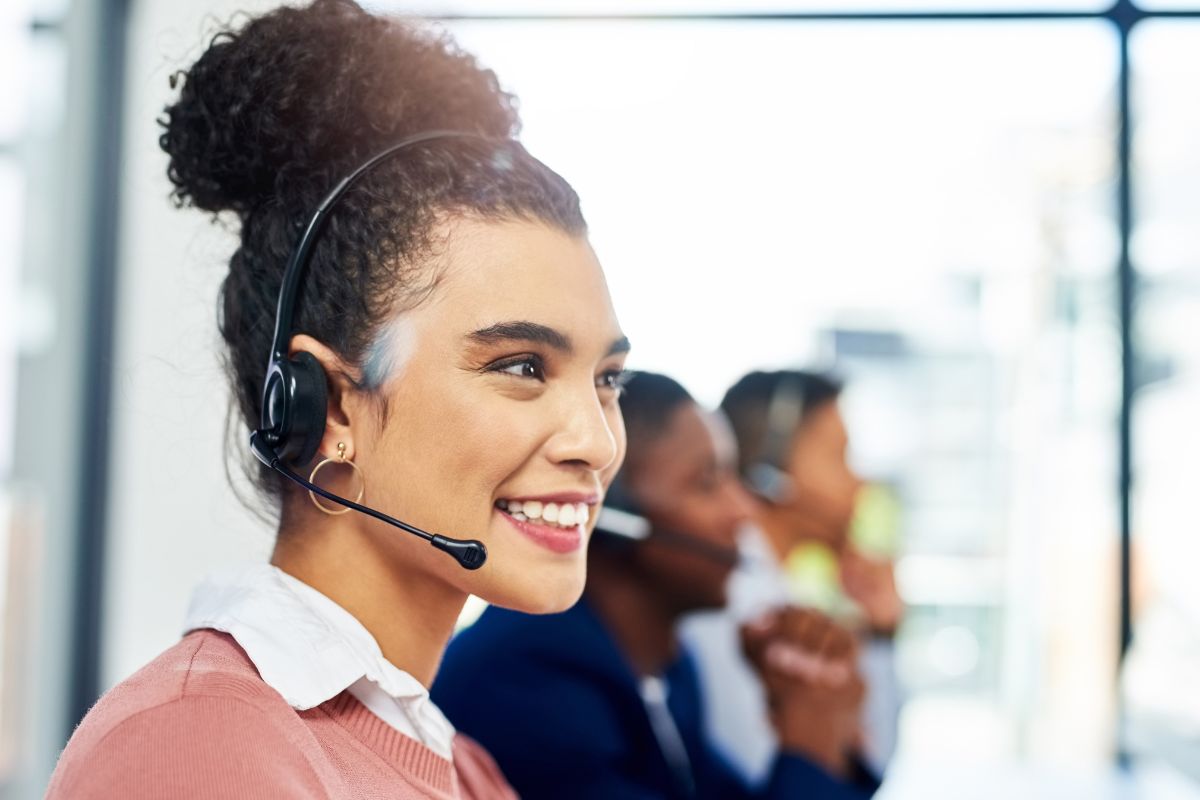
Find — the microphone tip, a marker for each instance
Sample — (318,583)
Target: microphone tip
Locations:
(470,553)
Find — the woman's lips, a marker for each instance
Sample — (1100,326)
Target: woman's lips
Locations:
(551,537)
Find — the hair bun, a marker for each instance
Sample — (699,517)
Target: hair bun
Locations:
(294,98)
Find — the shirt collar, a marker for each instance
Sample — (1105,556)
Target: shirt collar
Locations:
(304,645)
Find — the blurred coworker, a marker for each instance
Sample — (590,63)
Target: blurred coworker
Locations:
(602,698)
(792,445)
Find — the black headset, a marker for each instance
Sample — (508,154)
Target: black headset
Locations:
(622,519)
(767,476)
(294,402)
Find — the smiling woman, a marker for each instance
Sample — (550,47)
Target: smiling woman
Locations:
(446,351)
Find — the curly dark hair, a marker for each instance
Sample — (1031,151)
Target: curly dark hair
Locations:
(276,111)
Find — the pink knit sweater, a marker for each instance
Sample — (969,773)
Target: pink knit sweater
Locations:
(199,722)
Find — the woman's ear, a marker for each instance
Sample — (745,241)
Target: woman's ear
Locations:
(342,413)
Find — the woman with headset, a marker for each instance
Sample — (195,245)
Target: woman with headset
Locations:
(422,347)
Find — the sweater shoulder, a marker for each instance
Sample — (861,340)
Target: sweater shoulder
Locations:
(204,662)
(194,710)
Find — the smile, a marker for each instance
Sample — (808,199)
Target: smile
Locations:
(558,515)
(556,526)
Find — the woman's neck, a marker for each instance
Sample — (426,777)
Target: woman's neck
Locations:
(410,613)
(643,626)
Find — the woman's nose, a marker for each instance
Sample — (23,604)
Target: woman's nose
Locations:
(584,435)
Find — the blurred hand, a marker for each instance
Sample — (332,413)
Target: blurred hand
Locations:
(808,666)
(872,584)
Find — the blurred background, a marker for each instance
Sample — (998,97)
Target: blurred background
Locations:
(981,213)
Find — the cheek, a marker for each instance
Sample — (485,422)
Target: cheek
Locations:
(696,515)
(447,450)
(482,440)
(824,477)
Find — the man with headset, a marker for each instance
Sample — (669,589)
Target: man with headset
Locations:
(618,710)
(793,444)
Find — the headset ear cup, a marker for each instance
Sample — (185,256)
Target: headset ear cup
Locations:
(770,483)
(308,408)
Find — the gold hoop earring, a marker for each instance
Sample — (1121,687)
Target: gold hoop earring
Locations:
(341,459)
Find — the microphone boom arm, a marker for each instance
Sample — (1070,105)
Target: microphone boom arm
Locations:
(470,553)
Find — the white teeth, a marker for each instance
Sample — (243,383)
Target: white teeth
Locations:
(565,515)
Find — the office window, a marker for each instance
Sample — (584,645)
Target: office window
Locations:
(1166,650)
(918,206)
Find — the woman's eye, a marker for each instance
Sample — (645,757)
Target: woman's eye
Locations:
(527,367)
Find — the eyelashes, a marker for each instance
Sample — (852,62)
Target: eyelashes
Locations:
(528,366)
(531,366)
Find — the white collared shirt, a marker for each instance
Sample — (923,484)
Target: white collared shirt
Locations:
(310,649)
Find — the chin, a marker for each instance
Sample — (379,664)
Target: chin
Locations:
(541,591)
(550,603)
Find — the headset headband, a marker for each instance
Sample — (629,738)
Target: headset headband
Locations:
(295,268)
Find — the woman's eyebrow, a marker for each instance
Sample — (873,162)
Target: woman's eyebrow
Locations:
(521,331)
(524,331)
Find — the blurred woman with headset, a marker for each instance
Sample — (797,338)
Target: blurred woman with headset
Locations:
(622,714)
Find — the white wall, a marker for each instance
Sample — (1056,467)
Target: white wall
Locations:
(173,515)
